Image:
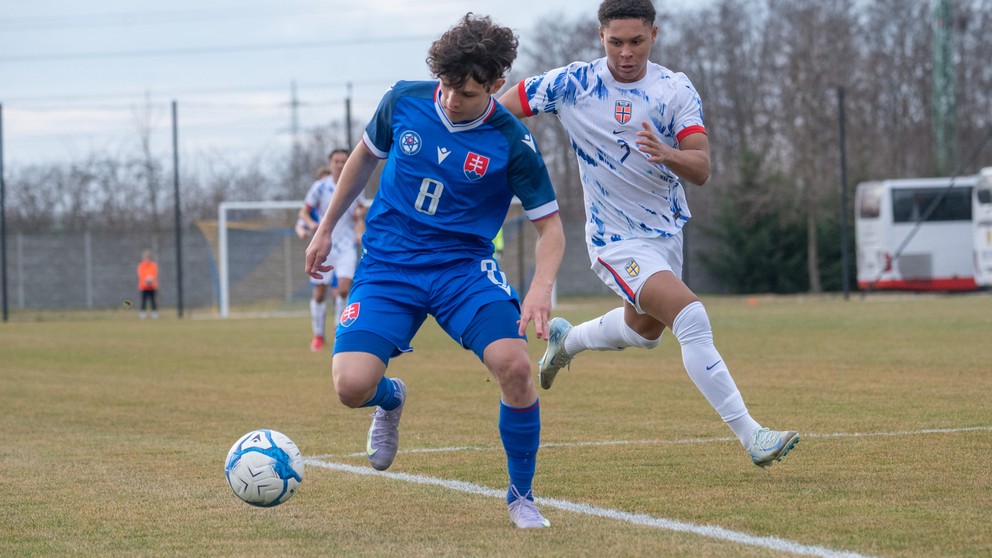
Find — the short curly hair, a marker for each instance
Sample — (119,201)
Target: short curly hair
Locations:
(474,48)
(626,9)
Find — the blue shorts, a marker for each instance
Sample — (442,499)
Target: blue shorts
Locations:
(470,299)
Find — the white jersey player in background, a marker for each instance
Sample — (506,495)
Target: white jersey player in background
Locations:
(344,251)
(636,128)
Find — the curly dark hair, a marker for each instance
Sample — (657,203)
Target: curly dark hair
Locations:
(626,9)
(474,48)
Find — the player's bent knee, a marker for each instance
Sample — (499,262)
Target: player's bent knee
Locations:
(352,391)
(511,369)
(520,372)
(349,398)
(647,343)
(634,339)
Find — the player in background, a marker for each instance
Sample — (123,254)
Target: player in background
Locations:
(454,161)
(344,254)
(636,128)
(148,284)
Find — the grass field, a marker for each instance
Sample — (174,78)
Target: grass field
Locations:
(115,432)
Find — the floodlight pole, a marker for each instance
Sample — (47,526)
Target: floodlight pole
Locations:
(844,260)
(347,118)
(3,223)
(179,232)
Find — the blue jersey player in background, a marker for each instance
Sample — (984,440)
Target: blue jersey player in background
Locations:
(454,160)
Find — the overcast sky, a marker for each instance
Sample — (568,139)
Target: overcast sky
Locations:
(78,78)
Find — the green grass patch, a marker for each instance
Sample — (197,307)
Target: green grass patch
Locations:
(115,432)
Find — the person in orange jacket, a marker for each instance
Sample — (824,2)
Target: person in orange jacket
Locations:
(148,283)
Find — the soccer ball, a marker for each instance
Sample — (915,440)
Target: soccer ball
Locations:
(264,468)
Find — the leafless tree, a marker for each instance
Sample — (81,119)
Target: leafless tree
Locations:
(768,73)
(146,119)
(973,41)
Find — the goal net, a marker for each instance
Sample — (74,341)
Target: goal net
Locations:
(259,259)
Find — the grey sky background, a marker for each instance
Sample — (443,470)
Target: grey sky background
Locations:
(83,78)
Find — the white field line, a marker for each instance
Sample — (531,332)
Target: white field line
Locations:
(671,442)
(709,531)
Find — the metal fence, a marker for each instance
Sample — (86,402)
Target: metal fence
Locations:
(97,270)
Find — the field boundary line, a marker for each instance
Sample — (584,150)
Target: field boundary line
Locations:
(451,449)
(708,531)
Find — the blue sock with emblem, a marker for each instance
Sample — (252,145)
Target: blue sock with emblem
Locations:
(520,430)
(385,396)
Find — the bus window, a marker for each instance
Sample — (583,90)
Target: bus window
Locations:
(870,202)
(908,205)
(985,195)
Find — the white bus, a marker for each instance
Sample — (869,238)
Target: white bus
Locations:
(982,217)
(938,257)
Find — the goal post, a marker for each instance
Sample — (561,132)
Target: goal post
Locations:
(260,259)
(223,248)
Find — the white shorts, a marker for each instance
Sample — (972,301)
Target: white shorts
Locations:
(626,265)
(344,260)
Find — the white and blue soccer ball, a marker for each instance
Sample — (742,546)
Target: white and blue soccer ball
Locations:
(264,468)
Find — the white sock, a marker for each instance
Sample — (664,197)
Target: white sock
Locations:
(340,303)
(709,372)
(317,317)
(608,332)
(744,427)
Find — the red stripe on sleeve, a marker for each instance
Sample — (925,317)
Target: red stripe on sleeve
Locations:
(522,93)
(697,129)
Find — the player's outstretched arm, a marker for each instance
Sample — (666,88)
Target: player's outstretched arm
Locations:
(548,255)
(354,176)
(511,100)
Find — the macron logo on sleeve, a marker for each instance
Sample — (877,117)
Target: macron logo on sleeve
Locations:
(529,142)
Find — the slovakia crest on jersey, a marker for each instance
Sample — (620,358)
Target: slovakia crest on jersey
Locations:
(475,166)
(410,142)
(622,111)
(350,314)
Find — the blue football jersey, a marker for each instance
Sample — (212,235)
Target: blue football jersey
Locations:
(446,186)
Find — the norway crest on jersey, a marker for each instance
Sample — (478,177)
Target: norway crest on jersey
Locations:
(475,166)
(622,111)
(632,267)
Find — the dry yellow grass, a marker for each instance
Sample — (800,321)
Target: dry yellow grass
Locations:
(115,431)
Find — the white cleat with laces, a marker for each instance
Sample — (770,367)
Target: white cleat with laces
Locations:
(524,514)
(768,446)
(384,434)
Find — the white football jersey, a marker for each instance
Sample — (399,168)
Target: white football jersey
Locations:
(318,199)
(625,195)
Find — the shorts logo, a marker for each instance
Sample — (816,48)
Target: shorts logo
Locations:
(622,112)
(632,268)
(410,142)
(350,314)
(475,166)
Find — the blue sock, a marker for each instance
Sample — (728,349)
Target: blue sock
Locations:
(385,396)
(520,430)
